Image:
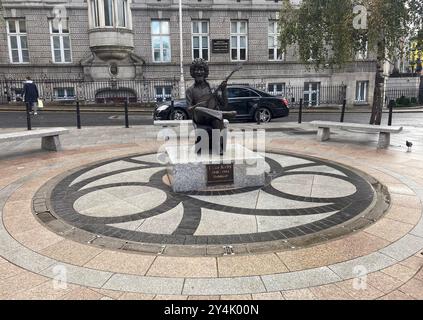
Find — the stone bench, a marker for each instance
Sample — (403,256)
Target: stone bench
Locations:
(49,137)
(323,132)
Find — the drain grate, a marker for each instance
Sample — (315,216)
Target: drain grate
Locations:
(228,250)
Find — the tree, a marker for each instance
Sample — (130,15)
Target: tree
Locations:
(329,33)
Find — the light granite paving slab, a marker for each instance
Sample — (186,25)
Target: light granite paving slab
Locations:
(224,223)
(222,286)
(243,200)
(286,160)
(336,189)
(404,247)
(130,225)
(7,243)
(149,199)
(147,285)
(266,223)
(362,265)
(110,208)
(418,229)
(119,201)
(154,157)
(324,169)
(93,199)
(77,275)
(28,259)
(268,201)
(140,175)
(165,223)
(299,279)
(294,189)
(302,179)
(107,168)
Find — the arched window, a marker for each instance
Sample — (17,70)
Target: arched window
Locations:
(109,13)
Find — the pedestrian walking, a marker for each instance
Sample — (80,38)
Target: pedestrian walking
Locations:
(30,93)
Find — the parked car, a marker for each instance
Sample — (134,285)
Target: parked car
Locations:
(249,103)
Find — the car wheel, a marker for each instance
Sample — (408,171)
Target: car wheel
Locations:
(263,114)
(178,114)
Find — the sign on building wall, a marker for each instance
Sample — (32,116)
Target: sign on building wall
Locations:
(220,46)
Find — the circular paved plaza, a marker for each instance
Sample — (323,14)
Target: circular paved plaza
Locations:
(333,221)
(128,200)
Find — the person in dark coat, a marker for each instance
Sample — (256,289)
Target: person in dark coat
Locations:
(30,93)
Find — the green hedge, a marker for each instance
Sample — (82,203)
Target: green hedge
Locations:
(406,102)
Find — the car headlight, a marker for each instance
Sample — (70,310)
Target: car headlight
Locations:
(162,107)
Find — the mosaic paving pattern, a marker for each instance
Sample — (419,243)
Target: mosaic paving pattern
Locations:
(128,200)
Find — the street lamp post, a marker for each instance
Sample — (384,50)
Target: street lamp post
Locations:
(181,53)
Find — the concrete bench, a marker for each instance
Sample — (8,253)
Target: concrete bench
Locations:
(323,132)
(49,137)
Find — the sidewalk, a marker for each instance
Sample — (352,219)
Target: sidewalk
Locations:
(35,246)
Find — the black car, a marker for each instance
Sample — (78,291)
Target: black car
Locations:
(249,103)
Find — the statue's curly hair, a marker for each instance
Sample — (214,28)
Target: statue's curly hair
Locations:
(198,62)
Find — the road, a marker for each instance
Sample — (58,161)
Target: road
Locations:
(66,119)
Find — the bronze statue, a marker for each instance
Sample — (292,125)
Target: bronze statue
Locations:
(205,105)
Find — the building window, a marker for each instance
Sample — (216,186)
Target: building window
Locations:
(95,13)
(275,51)
(311,94)
(122,12)
(109,13)
(200,39)
(276,88)
(361,91)
(64,94)
(60,41)
(239,40)
(163,93)
(160,39)
(18,41)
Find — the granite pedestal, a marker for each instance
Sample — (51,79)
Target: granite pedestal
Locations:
(239,167)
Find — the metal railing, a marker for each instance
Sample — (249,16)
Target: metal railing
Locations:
(321,96)
(405,97)
(100,92)
(67,90)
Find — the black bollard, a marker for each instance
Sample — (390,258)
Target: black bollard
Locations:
(300,112)
(344,104)
(78,115)
(28,116)
(126,114)
(391,105)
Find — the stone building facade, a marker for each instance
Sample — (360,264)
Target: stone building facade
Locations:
(138,40)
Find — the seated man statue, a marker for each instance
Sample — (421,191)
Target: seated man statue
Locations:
(205,106)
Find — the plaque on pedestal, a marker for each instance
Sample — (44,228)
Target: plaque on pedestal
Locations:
(239,167)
